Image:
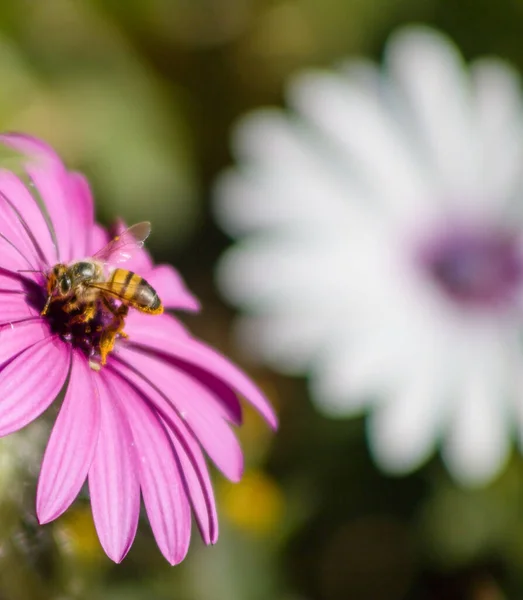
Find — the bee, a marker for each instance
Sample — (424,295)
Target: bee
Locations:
(89,284)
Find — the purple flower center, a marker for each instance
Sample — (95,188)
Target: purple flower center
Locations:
(475,267)
(84,336)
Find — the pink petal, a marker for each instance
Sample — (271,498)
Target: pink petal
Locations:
(99,239)
(191,458)
(162,486)
(113,481)
(27,144)
(53,186)
(195,352)
(171,289)
(138,326)
(52,181)
(13,257)
(12,228)
(13,307)
(225,399)
(197,407)
(31,382)
(20,336)
(197,478)
(13,188)
(82,217)
(12,281)
(72,444)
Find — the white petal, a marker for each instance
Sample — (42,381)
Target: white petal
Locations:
(288,342)
(275,271)
(478,439)
(499,125)
(346,380)
(368,139)
(432,81)
(403,431)
(299,198)
(294,179)
(517,395)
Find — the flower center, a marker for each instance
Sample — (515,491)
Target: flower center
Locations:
(475,267)
(65,323)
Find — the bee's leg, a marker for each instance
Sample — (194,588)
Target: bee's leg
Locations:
(108,337)
(119,318)
(47,305)
(50,297)
(68,307)
(71,306)
(88,312)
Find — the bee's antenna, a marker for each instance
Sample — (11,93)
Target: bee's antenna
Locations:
(30,271)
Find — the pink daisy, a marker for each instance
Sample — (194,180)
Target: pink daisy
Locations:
(141,422)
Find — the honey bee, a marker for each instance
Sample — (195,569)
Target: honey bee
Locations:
(89,284)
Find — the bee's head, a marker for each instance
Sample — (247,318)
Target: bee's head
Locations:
(59,282)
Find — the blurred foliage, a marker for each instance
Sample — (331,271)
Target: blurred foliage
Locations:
(72,77)
(141,96)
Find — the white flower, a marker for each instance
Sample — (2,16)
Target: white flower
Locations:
(381,249)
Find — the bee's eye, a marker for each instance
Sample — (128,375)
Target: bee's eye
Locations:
(65,284)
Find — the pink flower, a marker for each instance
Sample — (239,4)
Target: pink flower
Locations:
(139,423)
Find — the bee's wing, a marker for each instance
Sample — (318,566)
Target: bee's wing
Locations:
(124,246)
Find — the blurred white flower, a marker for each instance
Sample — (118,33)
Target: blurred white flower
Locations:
(381,249)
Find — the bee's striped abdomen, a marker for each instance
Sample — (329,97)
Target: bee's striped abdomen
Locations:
(133,289)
